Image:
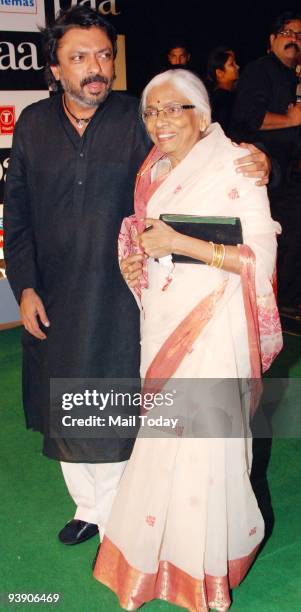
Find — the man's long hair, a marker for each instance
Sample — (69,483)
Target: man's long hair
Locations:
(75,17)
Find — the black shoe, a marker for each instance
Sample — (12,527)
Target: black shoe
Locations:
(96,555)
(76,532)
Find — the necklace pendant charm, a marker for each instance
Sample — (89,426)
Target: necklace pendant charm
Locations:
(81,122)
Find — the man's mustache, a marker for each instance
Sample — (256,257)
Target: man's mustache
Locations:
(292,44)
(96,78)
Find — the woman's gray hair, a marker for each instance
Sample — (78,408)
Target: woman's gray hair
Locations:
(187,84)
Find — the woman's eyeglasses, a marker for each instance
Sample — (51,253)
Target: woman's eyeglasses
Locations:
(169,110)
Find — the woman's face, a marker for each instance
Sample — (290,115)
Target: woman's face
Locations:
(230,72)
(174,136)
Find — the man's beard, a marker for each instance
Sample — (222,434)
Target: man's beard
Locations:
(78,95)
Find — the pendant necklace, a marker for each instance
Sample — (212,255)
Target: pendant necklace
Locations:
(80,121)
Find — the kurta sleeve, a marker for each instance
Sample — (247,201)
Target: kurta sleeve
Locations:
(19,243)
(143,143)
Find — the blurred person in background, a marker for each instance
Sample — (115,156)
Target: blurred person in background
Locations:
(178,54)
(266,110)
(222,74)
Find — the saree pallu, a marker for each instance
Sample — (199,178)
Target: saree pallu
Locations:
(185,526)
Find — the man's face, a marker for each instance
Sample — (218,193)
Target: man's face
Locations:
(287,47)
(85,65)
(178,56)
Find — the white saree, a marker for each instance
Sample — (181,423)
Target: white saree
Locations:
(185,525)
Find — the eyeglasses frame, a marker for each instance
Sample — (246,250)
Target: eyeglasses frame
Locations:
(290,34)
(160,110)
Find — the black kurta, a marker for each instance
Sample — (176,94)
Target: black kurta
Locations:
(266,85)
(65,199)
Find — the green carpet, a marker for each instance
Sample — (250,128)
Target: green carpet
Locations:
(35,505)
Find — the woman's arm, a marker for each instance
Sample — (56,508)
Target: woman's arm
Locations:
(162,240)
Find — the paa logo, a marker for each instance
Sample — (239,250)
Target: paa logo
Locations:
(18,6)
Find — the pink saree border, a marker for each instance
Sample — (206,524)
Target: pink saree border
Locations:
(134,588)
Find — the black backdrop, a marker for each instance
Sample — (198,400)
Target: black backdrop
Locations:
(148,24)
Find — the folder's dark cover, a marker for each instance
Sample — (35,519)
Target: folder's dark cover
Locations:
(221,230)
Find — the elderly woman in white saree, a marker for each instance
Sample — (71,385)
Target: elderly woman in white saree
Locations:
(185,526)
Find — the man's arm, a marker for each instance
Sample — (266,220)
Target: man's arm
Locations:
(276,121)
(19,247)
(253,98)
(19,244)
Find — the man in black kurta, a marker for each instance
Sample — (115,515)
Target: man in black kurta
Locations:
(265,111)
(68,188)
(65,199)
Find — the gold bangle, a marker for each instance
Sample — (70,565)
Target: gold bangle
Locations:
(218,255)
(213,254)
(222,252)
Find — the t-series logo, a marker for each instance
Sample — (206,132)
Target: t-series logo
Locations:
(7,119)
(18,6)
(106,7)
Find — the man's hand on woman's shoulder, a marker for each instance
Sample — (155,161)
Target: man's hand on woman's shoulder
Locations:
(256,164)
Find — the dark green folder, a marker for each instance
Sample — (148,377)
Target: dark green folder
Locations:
(221,230)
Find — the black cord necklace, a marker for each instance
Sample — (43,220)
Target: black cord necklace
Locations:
(80,121)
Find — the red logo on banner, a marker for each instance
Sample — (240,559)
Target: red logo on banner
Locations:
(7,120)
(1,235)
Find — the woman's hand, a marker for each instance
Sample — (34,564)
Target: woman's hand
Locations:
(131,269)
(157,241)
